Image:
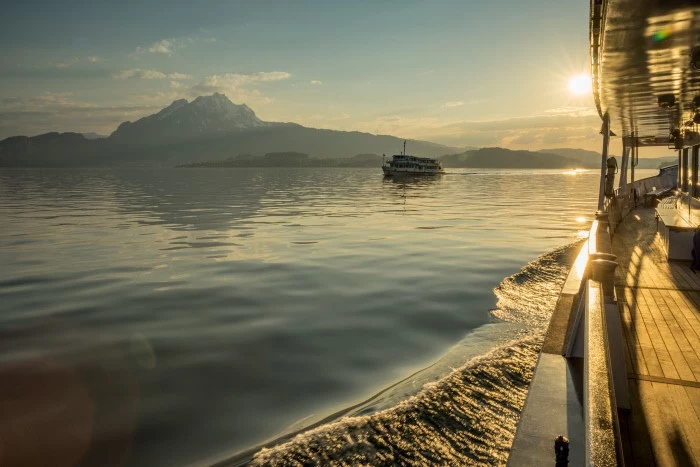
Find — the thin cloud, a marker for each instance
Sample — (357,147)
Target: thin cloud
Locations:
(72,61)
(572,111)
(530,132)
(453,104)
(315,82)
(179,76)
(164,46)
(138,73)
(171,45)
(234,85)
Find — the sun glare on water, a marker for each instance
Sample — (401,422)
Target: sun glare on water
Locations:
(580,84)
(574,171)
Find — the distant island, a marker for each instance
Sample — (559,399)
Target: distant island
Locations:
(290,159)
(585,157)
(484,158)
(495,158)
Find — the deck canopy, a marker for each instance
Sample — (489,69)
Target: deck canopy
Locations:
(645,61)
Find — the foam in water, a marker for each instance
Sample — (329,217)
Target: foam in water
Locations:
(529,296)
(466,418)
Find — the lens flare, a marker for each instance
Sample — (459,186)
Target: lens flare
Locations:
(661,35)
(580,85)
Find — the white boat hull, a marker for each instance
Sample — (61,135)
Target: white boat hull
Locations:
(391,171)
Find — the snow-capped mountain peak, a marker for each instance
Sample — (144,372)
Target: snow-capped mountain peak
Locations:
(181,120)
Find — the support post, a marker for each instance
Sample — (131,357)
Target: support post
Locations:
(623,169)
(604,158)
(693,189)
(635,157)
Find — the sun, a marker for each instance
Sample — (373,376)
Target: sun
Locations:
(580,84)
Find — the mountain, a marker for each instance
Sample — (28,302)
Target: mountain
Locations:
(208,128)
(656,162)
(585,157)
(93,135)
(206,116)
(508,159)
(51,150)
(592,158)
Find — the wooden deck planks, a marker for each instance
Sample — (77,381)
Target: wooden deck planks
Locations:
(694,397)
(638,433)
(659,306)
(634,352)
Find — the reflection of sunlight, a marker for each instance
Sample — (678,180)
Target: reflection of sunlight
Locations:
(582,234)
(574,171)
(581,260)
(580,219)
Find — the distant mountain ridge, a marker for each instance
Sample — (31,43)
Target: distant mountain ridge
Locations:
(585,157)
(290,159)
(484,158)
(513,159)
(212,128)
(91,135)
(208,128)
(183,121)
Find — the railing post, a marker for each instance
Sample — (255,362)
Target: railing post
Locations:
(623,167)
(604,161)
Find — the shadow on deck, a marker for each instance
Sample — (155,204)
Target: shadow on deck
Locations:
(659,304)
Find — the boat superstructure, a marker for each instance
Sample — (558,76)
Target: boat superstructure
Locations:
(405,164)
(618,378)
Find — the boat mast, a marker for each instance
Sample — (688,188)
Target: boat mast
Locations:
(404,147)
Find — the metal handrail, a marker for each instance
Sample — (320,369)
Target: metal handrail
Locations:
(601,359)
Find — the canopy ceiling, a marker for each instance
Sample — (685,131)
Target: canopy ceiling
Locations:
(640,50)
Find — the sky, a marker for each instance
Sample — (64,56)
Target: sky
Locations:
(456,72)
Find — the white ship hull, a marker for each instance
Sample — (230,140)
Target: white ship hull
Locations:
(391,171)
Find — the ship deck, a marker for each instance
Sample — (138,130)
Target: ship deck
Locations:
(659,303)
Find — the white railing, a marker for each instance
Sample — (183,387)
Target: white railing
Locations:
(604,376)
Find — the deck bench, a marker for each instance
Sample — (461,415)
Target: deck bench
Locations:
(675,231)
(652,196)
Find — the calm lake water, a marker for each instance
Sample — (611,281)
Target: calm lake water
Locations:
(210,310)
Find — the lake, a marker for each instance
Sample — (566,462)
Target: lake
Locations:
(202,312)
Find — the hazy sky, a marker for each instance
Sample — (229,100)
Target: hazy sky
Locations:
(458,72)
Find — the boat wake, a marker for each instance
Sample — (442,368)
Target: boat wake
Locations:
(529,296)
(465,418)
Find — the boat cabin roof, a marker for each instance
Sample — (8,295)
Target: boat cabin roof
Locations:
(642,50)
(420,159)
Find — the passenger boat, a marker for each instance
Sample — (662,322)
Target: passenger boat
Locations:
(618,377)
(404,164)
